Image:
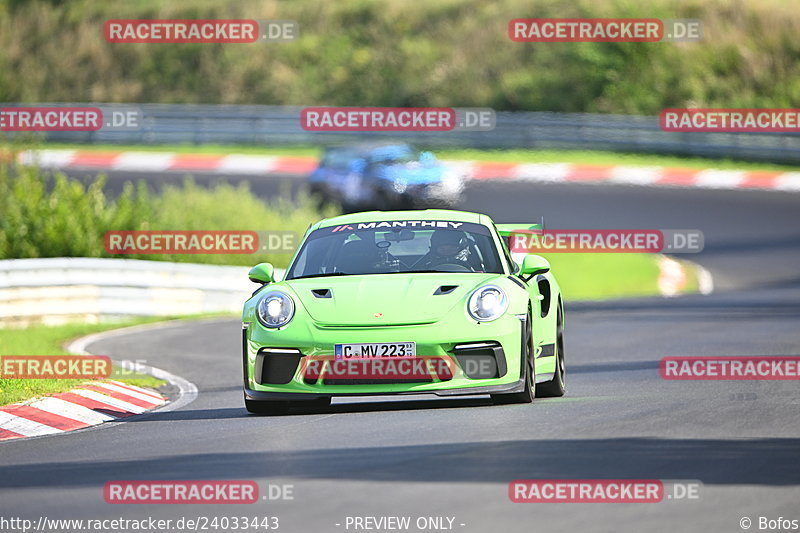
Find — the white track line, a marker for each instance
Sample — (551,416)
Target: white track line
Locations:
(636,175)
(246,164)
(541,171)
(152,161)
(47,158)
(788,181)
(719,179)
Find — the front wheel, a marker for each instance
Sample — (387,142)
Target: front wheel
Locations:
(557,386)
(529,392)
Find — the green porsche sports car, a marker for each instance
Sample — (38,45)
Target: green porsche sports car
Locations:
(403,302)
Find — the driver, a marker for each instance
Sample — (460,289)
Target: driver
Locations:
(448,247)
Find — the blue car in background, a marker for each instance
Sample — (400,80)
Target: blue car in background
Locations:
(384,176)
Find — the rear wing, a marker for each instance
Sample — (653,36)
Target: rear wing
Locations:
(505,230)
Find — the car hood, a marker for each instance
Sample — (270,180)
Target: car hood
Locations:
(385,299)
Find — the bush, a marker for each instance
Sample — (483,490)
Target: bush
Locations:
(51,215)
(396,53)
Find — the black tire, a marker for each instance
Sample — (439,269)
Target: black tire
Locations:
(529,392)
(557,386)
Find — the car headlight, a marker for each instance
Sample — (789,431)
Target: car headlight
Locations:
(452,183)
(275,309)
(487,303)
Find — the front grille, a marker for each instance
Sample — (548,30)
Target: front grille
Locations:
(371,326)
(375,381)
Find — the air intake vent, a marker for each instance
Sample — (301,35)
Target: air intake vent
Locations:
(322,293)
(445,289)
(481,360)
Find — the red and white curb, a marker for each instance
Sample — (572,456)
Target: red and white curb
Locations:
(169,162)
(108,402)
(87,405)
(473,170)
(673,277)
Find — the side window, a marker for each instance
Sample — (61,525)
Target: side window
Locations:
(512,266)
(337,159)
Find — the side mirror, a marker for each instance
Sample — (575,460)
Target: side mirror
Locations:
(533,265)
(262,273)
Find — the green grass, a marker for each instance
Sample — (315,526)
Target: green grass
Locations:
(590,157)
(604,276)
(51,340)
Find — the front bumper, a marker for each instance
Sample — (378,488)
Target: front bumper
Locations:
(518,386)
(436,340)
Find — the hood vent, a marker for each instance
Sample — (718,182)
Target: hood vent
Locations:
(322,293)
(445,289)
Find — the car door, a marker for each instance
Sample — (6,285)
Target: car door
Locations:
(540,297)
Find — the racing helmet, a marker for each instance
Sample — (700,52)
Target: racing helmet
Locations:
(448,244)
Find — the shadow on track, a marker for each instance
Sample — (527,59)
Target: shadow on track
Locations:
(360,407)
(772,461)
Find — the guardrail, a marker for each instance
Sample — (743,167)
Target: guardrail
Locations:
(273,125)
(58,290)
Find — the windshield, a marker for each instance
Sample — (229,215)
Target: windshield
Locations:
(394,155)
(397,247)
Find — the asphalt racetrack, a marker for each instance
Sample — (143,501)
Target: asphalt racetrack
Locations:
(456,458)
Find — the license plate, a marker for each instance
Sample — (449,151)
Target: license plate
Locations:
(381,350)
